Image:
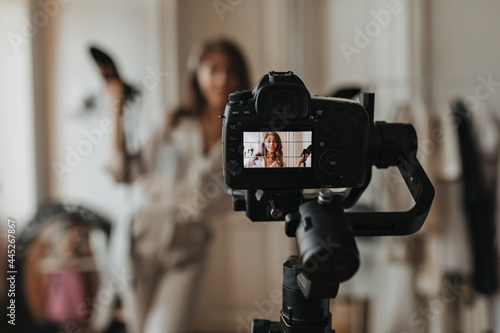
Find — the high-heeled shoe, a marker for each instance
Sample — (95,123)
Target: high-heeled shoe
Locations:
(110,72)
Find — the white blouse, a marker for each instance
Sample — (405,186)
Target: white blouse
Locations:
(259,162)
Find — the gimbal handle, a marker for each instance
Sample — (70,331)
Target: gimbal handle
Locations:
(392,145)
(399,223)
(395,145)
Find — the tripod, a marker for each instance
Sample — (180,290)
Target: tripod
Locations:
(328,256)
(298,313)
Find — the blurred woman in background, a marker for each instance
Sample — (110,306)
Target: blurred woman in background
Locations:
(179,170)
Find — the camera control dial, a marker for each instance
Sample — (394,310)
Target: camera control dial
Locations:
(330,162)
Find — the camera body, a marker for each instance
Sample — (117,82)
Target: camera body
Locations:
(310,142)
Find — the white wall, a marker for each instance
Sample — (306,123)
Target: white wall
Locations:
(463,47)
(345,44)
(18,188)
(132,40)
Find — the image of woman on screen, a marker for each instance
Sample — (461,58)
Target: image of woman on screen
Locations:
(271,155)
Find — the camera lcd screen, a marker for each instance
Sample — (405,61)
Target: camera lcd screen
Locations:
(286,149)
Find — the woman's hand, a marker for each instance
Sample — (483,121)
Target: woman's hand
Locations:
(116,90)
(302,160)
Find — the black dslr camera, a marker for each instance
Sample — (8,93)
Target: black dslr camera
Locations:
(278,141)
(333,131)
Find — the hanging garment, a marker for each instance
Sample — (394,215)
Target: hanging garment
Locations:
(479,207)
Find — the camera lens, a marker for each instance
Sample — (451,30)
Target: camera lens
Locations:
(282,104)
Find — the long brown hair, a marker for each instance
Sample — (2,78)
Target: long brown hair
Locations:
(196,103)
(278,153)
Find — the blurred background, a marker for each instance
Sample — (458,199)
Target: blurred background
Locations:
(420,58)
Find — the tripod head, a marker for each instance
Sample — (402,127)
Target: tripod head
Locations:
(328,254)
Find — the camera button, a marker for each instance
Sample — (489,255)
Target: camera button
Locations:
(330,162)
(333,162)
(233,127)
(233,168)
(235,113)
(247,112)
(232,150)
(233,138)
